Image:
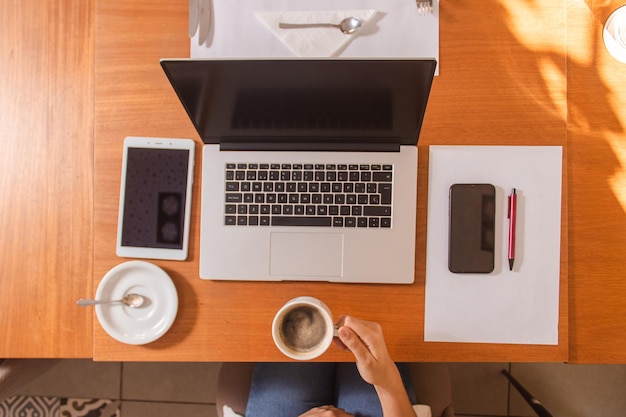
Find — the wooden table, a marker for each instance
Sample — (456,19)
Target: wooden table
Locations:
(596,135)
(46,177)
(490,91)
(511,73)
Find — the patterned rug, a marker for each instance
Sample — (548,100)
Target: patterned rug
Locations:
(23,406)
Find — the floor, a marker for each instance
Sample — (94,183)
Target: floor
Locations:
(167,389)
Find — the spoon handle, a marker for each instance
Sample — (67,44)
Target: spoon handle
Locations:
(306,25)
(85,302)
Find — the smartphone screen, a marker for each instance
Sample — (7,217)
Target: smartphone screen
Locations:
(472,228)
(154,200)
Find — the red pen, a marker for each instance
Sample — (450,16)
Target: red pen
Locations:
(512,215)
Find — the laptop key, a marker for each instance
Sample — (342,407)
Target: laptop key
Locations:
(383,176)
(385,193)
(378,211)
(234,197)
(301,221)
(230,220)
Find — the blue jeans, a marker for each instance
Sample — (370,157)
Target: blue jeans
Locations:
(292,388)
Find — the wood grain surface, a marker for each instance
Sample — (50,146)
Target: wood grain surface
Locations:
(46,189)
(597,178)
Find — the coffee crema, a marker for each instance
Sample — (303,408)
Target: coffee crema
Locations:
(303,329)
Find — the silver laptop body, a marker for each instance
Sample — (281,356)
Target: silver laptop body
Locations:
(309,168)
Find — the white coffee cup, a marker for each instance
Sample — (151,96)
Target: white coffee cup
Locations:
(614,34)
(303,328)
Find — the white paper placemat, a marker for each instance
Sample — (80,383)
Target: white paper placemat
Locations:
(397,30)
(519,306)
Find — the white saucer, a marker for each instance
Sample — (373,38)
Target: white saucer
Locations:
(612,45)
(137,326)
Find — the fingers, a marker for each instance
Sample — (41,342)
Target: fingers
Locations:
(363,338)
(326,411)
(354,344)
(370,333)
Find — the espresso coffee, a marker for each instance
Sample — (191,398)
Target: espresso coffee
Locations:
(303,329)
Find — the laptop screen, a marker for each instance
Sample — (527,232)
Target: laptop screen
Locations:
(291,104)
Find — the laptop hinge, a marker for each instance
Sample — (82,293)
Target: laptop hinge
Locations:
(310,146)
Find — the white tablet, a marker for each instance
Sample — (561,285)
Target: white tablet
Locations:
(155,198)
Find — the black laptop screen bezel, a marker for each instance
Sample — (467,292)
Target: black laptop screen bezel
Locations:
(304,104)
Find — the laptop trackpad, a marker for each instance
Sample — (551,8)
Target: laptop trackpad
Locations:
(306,254)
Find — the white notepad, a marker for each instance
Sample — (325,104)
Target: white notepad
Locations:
(519,306)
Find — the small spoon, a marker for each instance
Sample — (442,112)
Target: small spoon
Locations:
(131,300)
(348,25)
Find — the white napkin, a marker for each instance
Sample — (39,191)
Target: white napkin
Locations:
(313,42)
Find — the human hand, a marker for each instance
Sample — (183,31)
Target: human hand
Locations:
(365,340)
(326,411)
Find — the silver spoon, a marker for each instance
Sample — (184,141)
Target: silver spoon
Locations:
(131,300)
(348,25)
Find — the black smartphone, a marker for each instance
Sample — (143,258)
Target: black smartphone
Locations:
(472,228)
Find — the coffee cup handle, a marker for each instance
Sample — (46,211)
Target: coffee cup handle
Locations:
(336,330)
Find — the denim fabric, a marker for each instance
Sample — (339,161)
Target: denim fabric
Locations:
(290,389)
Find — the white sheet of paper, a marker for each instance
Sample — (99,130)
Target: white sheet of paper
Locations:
(397,30)
(519,306)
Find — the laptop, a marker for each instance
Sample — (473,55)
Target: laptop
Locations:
(309,166)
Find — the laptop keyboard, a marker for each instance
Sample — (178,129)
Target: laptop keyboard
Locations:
(325,195)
